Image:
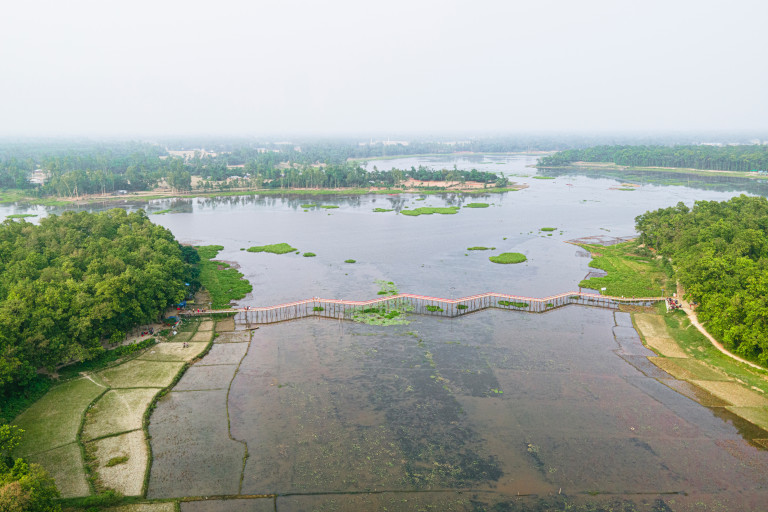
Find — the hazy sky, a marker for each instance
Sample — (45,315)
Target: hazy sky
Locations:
(328,67)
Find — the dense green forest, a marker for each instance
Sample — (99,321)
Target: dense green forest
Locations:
(720,252)
(725,158)
(79,279)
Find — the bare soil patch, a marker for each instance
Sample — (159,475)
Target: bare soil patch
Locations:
(119,410)
(126,477)
(225,325)
(655,333)
(733,392)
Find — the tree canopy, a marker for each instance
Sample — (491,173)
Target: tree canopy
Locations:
(725,158)
(78,279)
(720,252)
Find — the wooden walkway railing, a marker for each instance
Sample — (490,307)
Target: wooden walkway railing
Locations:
(420,304)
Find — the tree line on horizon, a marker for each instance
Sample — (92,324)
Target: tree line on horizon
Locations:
(141,167)
(724,158)
(720,254)
(75,167)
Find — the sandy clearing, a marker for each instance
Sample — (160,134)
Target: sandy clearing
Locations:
(173,352)
(733,393)
(654,331)
(119,410)
(126,477)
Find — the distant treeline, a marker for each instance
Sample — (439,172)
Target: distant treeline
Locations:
(725,158)
(720,253)
(139,166)
(79,279)
(75,168)
(353,175)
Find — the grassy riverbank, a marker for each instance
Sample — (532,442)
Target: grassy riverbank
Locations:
(223,283)
(697,369)
(632,271)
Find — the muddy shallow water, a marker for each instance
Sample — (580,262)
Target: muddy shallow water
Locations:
(496,404)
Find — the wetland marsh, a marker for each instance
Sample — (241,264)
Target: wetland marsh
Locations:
(495,410)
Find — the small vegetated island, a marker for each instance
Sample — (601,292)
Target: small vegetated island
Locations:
(429,210)
(281,248)
(508,258)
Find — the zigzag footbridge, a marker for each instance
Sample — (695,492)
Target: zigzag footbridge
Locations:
(419,304)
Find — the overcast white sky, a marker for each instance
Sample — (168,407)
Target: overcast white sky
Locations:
(329,67)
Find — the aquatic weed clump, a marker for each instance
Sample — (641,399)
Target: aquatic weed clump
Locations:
(281,248)
(428,210)
(508,258)
(513,304)
(391,314)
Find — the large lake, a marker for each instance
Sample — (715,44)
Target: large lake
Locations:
(517,411)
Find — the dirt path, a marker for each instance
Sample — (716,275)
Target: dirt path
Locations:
(695,321)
